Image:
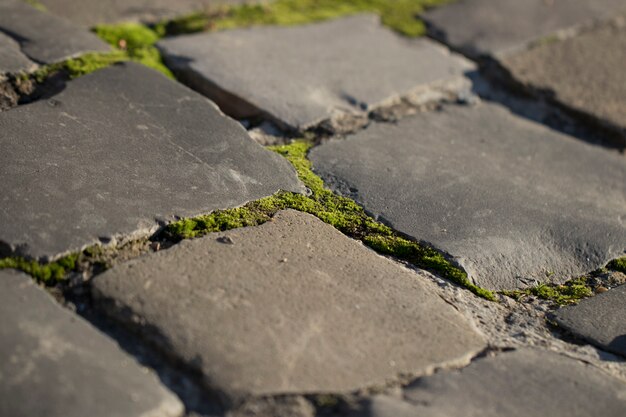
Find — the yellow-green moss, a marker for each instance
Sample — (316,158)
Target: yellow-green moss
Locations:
(48,273)
(136,41)
(36,4)
(340,212)
(618,265)
(400,15)
(568,293)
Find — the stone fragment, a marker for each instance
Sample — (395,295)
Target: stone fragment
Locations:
(303,75)
(499,27)
(55,364)
(514,202)
(89,13)
(12,60)
(293,306)
(42,37)
(523,383)
(599,319)
(585,73)
(119,152)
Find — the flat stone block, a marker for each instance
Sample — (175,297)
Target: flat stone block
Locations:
(89,13)
(585,73)
(42,37)
(303,75)
(291,306)
(514,202)
(523,383)
(55,364)
(12,60)
(500,27)
(117,153)
(599,319)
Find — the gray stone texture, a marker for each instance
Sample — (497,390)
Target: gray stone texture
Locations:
(523,383)
(118,152)
(12,60)
(303,75)
(42,37)
(89,13)
(55,364)
(291,306)
(512,201)
(599,319)
(585,73)
(499,27)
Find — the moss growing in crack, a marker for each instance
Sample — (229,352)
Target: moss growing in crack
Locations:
(400,15)
(77,67)
(618,265)
(568,293)
(136,42)
(48,273)
(340,212)
(37,5)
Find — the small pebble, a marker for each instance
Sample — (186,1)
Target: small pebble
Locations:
(226,240)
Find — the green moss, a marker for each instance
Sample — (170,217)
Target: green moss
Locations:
(400,15)
(48,273)
(618,265)
(77,67)
(136,41)
(340,212)
(569,293)
(37,5)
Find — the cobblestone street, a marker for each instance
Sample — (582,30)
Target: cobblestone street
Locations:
(299,208)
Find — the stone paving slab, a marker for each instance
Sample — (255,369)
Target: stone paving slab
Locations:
(303,75)
(55,364)
(585,73)
(523,383)
(44,38)
(512,201)
(118,152)
(499,27)
(599,319)
(89,13)
(12,60)
(291,306)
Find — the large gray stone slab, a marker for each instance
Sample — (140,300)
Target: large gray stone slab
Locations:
(512,201)
(303,75)
(45,38)
(89,13)
(523,383)
(291,306)
(585,73)
(12,60)
(599,319)
(117,153)
(55,364)
(500,27)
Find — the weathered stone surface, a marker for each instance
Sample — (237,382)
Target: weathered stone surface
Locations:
(43,37)
(498,27)
(292,306)
(92,12)
(12,60)
(523,383)
(599,319)
(511,200)
(303,75)
(585,73)
(55,364)
(116,153)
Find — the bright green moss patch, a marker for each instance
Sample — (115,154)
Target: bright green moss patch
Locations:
(82,65)
(618,265)
(340,212)
(48,273)
(400,15)
(136,41)
(569,293)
